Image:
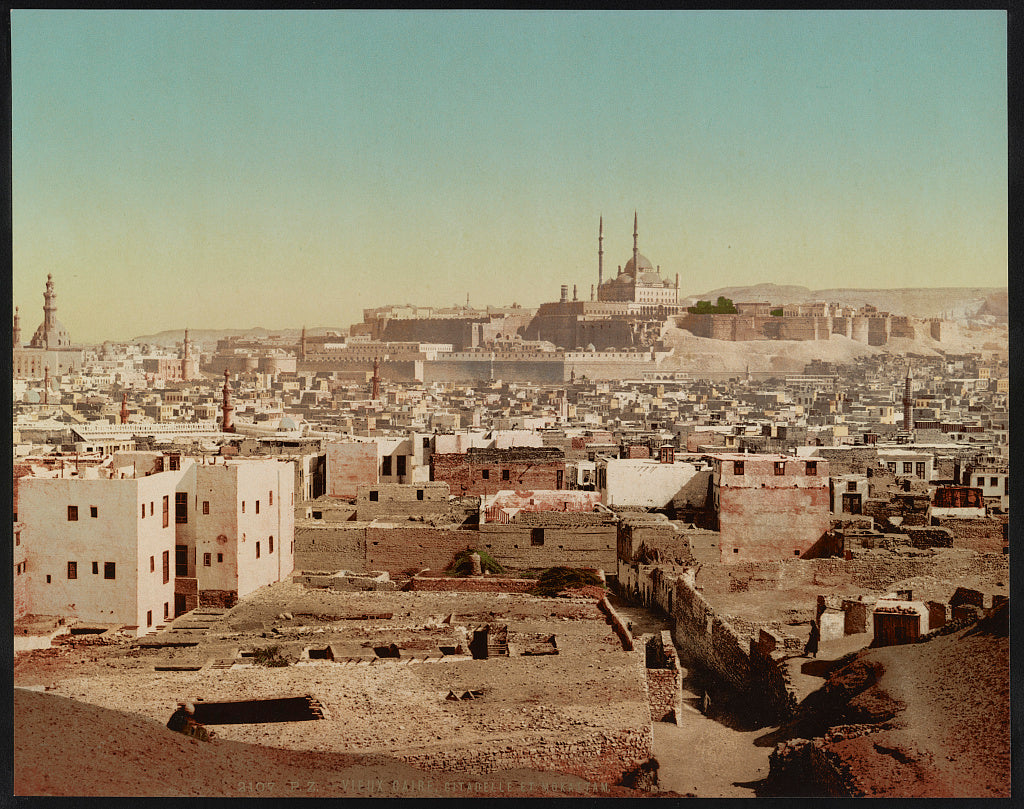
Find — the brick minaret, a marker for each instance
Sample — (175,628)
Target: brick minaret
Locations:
(16,338)
(376,378)
(124,407)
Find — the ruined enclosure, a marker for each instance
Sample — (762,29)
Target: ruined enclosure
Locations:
(258,711)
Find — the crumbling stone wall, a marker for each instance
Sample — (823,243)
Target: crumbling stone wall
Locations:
(849,460)
(486,584)
(189,588)
(218,598)
(982,535)
(808,768)
(602,758)
(664,678)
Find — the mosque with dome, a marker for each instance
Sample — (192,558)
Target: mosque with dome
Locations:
(625,312)
(49,353)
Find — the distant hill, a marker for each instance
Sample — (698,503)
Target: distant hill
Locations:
(210,337)
(960,303)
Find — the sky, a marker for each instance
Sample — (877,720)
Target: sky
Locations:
(242,168)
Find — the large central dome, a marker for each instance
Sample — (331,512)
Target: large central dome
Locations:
(645,265)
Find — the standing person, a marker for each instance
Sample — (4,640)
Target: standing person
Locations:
(811,649)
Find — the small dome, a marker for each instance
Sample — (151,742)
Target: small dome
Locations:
(287,423)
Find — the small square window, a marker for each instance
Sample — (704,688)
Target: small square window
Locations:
(735,550)
(109,570)
(812,467)
(737,467)
(851,486)
(206,559)
(206,507)
(94,511)
(72,570)
(486,474)
(536,536)
(373,495)
(780,467)
(796,553)
(96,568)
(419,494)
(220,557)
(504,474)
(47,578)
(72,513)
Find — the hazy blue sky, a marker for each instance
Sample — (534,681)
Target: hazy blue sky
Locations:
(229,169)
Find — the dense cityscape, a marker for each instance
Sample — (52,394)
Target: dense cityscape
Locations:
(434,487)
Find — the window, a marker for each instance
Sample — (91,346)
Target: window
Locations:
(796,552)
(426,442)
(812,468)
(373,495)
(419,494)
(780,467)
(206,507)
(270,549)
(109,570)
(206,559)
(908,467)
(72,570)
(167,609)
(167,510)
(257,506)
(851,486)
(47,578)
(892,466)
(180,508)
(180,561)
(150,508)
(486,474)
(243,507)
(152,564)
(94,512)
(385,465)
(143,511)
(993,481)
(95,568)
(737,467)
(149,617)
(174,463)
(220,557)
(536,536)
(257,550)
(505,474)
(981,482)
(72,513)
(401,465)
(919,469)
(270,496)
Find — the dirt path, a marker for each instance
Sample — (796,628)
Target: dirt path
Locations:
(705,758)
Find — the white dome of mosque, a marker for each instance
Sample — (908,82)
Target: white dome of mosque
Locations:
(287,423)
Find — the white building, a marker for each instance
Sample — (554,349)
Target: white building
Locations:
(99,545)
(646,482)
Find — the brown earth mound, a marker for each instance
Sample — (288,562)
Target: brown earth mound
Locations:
(929,719)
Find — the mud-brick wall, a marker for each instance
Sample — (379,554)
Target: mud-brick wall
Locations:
(708,638)
(601,758)
(330,546)
(664,678)
(802,767)
(585,544)
(982,535)
(218,598)
(399,548)
(486,584)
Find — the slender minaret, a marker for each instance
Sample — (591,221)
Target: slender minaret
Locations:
(124,407)
(302,344)
(636,251)
(16,336)
(376,379)
(185,360)
(227,425)
(46,385)
(907,409)
(49,311)
(600,255)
